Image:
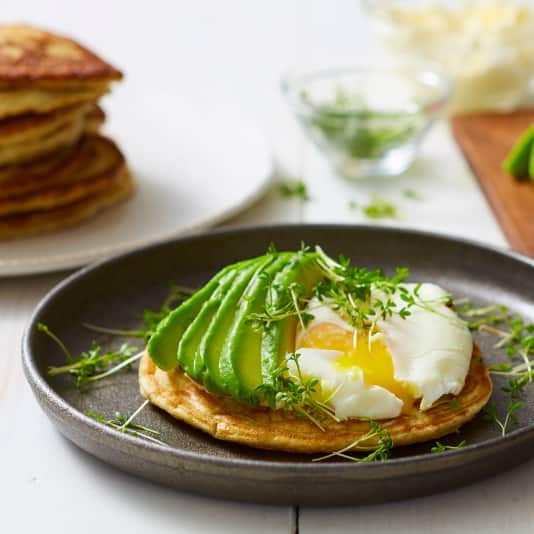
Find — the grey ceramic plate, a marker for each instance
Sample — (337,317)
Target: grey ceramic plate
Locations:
(115,292)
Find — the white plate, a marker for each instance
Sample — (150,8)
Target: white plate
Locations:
(193,168)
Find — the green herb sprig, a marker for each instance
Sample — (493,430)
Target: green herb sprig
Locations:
(516,337)
(93,364)
(97,363)
(455,405)
(379,452)
(377,207)
(490,414)
(125,424)
(295,394)
(439,447)
(294,188)
(380,208)
(290,302)
(361,295)
(349,290)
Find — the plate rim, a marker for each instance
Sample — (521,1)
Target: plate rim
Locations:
(120,440)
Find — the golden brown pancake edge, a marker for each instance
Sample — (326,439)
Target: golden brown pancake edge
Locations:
(37,142)
(30,224)
(228,420)
(30,56)
(15,102)
(91,157)
(60,195)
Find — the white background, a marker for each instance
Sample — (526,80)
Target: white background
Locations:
(230,54)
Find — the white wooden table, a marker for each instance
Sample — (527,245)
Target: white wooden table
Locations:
(232,51)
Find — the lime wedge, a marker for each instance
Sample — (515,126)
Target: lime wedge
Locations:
(520,159)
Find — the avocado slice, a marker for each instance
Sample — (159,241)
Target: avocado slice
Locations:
(278,338)
(163,345)
(240,361)
(188,346)
(210,335)
(213,340)
(531,163)
(519,159)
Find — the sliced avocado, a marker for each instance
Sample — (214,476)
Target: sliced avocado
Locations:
(213,340)
(278,338)
(240,361)
(531,162)
(163,345)
(188,346)
(518,160)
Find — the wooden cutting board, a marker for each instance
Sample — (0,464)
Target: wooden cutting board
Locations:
(485,140)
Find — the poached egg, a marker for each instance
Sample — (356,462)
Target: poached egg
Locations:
(382,372)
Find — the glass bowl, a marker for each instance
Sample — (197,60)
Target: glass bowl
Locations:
(366,121)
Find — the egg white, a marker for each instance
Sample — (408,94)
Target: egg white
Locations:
(431,349)
(348,395)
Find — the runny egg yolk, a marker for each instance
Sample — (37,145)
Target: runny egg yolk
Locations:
(375,361)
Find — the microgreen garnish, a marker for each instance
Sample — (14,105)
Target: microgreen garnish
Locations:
(377,208)
(151,318)
(295,394)
(281,303)
(93,364)
(379,451)
(294,189)
(349,290)
(490,414)
(439,447)
(516,337)
(97,363)
(484,317)
(124,423)
(297,189)
(455,405)
(362,296)
(271,249)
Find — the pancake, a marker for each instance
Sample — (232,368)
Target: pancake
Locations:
(37,58)
(31,136)
(94,118)
(41,72)
(59,195)
(24,128)
(16,226)
(20,178)
(89,158)
(20,101)
(228,420)
(34,126)
(55,170)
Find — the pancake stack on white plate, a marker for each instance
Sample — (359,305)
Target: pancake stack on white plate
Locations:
(55,168)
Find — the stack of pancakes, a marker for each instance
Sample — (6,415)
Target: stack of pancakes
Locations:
(55,169)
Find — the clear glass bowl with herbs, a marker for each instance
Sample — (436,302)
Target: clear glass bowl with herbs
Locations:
(368,122)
